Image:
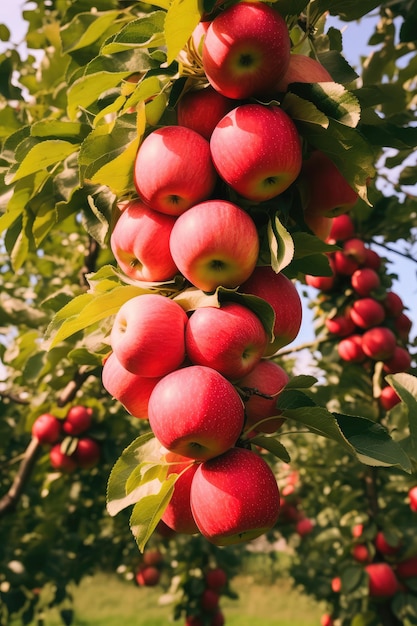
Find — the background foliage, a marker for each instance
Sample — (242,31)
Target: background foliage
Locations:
(70,125)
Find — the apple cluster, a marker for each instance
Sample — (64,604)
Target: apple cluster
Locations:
(203,597)
(201,373)
(68,450)
(148,573)
(373,326)
(291,512)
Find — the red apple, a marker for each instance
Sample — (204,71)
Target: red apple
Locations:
(234,497)
(357,530)
(319,225)
(412,497)
(336,584)
(178,514)
(153,557)
(231,339)
(407,568)
(87,453)
(140,243)
(215,243)
(350,349)
(372,259)
(327,191)
(365,280)
(382,580)
(356,249)
(217,619)
(47,428)
(342,228)
(389,398)
(173,169)
(304,527)
(196,412)
(340,325)
(400,361)
(288,512)
(268,378)
(379,343)
(367,312)
(281,293)
(239,46)
(202,109)
(148,335)
(215,578)
(148,576)
(326,620)
(393,304)
(361,553)
(323,283)
(209,600)
(344,264)
(60,460)
(303,69)
(77,420)
(384,547)
(256,151)
(402,326)
(131,390)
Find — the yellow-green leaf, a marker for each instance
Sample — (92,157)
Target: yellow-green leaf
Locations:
(96,309)
(149,510)
(181,19)
(43,155)
(117,174)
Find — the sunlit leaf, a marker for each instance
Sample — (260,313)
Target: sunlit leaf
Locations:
(181,19)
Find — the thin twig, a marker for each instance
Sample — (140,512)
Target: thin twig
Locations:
(9,501)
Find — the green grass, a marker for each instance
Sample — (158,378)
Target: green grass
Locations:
(107,601)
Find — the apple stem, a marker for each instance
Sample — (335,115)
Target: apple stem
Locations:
(248,392)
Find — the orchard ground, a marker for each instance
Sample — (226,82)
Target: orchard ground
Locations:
(106,600)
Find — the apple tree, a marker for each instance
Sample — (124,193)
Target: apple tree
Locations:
(90,123)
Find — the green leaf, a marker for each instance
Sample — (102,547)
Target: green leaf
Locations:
(181,19)
(332,99)
(290,7)
(348,149)
(281,245)
(372,442)
(43,155)
(59,129)
(273,446)
(261,307)
(144,448)
(145,32)
(406,387)
(117,173)
(306,245)
(347,10)
(302,110)
(85,29)
(337,66)
(368,441)
(107,154)
(302,381)
(149,510)
(87,309)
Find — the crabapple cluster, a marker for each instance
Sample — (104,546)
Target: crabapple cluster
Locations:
(203,597)
(373,325)
(200,373)
(148,573)
(69,446)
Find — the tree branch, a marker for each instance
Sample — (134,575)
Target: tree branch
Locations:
(9,501)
